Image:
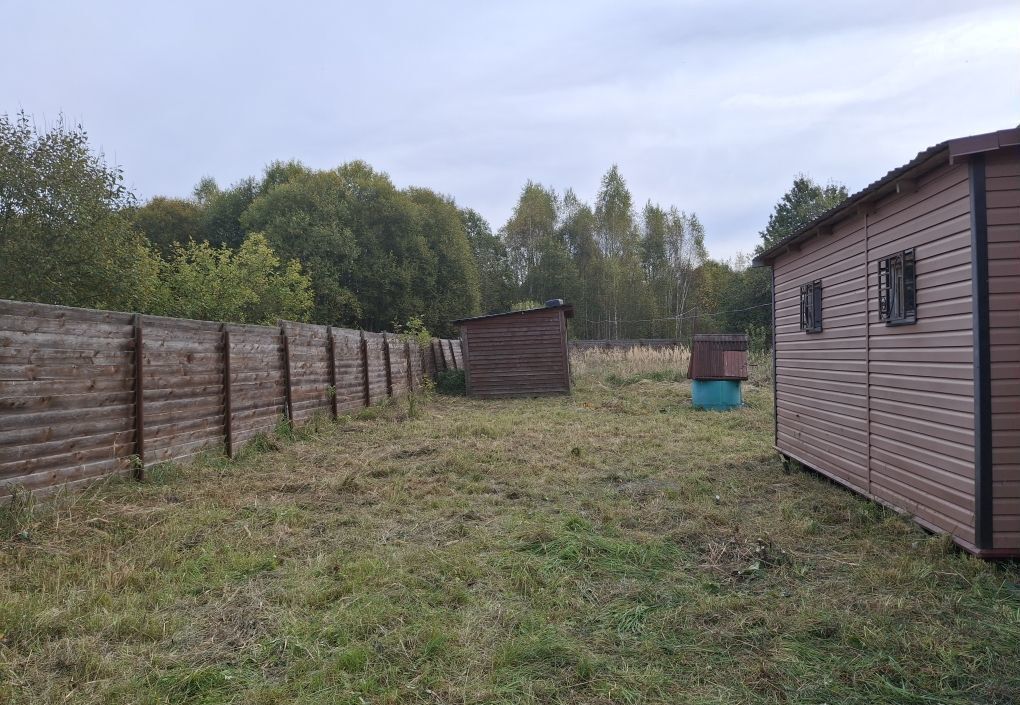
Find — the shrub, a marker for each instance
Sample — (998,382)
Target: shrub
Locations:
(451,382)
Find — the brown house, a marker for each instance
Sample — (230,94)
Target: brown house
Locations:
(897,341)
(521,353)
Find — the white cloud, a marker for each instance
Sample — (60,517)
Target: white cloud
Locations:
(711,106)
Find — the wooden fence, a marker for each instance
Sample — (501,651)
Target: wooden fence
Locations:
(85,394)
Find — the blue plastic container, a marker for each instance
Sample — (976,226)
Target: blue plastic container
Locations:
(716,394)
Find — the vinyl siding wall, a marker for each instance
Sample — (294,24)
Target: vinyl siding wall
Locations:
(1002,180)
(922,375)
(886,410)
(821,383)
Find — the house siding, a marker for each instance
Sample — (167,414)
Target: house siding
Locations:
(1002,183)
(821,380)
(518,355)
(886,410)
(921,375)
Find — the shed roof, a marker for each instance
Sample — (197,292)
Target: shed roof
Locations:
(718,356)
(568,311)
(893,182)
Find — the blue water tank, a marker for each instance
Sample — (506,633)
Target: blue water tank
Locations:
(716,394)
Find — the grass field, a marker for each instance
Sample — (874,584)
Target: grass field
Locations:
(611,547)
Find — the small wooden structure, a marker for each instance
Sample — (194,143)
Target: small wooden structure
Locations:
(718,356)
(520,353)
(717,368)
(897,341)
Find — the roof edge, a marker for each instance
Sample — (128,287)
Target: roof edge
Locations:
(895,181)
(568,310)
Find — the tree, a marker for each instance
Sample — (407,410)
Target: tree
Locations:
(495,276)
(533,222)
(577,230)
(65,237)
(220,222)
(455,292)
(168,221)
(306,218)
(617,237)
(246,285)
(804,202)
(376,255)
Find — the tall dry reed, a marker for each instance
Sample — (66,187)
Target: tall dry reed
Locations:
(638,360)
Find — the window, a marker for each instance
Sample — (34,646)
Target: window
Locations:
(811,306)
(897,289)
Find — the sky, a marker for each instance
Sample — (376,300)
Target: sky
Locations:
(710,106)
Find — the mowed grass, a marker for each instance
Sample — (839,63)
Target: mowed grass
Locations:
(614,546)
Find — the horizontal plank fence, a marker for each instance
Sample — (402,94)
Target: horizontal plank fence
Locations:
(86,394)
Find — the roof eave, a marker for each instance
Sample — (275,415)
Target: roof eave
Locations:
(568,311)
(899,180)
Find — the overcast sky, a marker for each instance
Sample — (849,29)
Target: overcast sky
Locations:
(711,106)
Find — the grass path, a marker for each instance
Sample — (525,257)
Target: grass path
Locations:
(614,546)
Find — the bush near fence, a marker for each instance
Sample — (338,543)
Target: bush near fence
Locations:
(86,394)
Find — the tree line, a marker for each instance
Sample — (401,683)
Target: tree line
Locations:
(345,246)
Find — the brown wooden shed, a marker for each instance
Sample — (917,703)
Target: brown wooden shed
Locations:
(520,353)
(897,341)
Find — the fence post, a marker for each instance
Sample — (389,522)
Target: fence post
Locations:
(228,407)
(331,341)
(407,358)
(435,362)
(389,371)
(139,469)
(289,411)
(364,369)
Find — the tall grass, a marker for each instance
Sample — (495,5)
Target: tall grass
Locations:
(624,363)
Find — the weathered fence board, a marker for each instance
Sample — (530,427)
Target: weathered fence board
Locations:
(74,408)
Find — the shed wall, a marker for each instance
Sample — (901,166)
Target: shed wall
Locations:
(886,410)
(517,355)
(1002,182)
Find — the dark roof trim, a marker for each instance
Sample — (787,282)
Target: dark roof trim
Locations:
(568,311)
(896,181)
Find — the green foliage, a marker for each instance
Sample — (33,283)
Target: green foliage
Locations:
(415,331)
(525,305)
(364,252)
(492,259)
(454,292)
(734,297)
(246,285)
(451,382)
(168,221)
(804,202)
(305,219)
(221,211)
(64,234)
(626,276)
(405,253)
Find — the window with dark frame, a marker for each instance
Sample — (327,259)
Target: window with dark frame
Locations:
(897,289)
(811,306)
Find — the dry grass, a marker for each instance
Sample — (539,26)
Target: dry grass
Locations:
(662,363)
(613,546)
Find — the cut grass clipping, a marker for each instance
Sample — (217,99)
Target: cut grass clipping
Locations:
(613,546)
